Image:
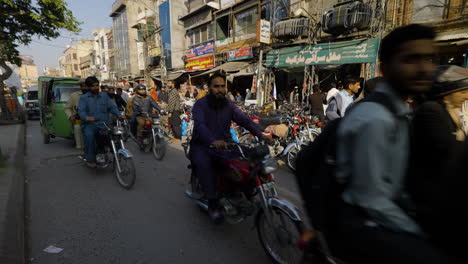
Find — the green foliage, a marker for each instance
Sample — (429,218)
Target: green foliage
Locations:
(20,20)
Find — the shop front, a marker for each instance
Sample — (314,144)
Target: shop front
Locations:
(322,64)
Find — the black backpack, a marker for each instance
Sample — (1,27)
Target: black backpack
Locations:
(315,171)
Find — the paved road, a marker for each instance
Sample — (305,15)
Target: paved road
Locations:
(94,220)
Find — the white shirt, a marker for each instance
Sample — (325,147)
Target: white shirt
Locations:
(332,92)
(125,96)
(346,100)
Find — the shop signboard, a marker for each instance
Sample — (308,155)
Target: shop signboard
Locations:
(201,49)
(226,3)
(202,63)
(264,33)
(240,54)
(357,51)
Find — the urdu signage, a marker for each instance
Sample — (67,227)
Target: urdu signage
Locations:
(239,54)
(357,51)
(200,63)
(201,49)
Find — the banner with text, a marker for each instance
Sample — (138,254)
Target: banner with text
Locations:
(358,51)
(201,49)
(200,63)
(239,54)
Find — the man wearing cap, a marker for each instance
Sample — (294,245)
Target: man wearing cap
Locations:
(72,113)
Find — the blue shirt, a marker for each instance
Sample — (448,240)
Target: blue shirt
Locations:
(98,107)
(346,100)
(373,150)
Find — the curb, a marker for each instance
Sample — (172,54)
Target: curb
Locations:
(14,240)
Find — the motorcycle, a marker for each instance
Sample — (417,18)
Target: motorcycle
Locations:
(111,151)
(152,136)
(278,222)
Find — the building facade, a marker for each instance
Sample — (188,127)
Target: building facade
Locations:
(101,52)
(28,71)
(71,62)
(125,38)
(52,72)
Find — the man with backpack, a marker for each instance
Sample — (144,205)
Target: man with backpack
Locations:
(359,182)
(338,104)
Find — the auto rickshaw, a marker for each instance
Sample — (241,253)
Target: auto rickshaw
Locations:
(53,94)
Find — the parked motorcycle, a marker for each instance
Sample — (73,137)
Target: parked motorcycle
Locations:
(152,136)
(111,151)
(277,221)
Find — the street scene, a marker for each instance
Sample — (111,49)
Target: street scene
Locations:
(219,131)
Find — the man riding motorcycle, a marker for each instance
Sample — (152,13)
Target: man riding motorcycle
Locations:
(142,104)
(212,120)
(94,109)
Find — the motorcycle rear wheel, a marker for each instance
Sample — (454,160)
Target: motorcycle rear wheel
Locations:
(126,178)
(286,250)
(159,148)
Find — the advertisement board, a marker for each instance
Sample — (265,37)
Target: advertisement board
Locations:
(240,54)
(264,31)
(201,49)
(200,63)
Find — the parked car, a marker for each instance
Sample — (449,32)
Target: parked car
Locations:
(31,102)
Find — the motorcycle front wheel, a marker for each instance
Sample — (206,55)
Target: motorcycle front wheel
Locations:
(126,177)
(291,158)
(159,148)
(279,236)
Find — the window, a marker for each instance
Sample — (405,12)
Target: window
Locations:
(222,28)
(246,24)
(266,12)
(62,91)
(74,56)
(75,67)
(103,59)
(102,42)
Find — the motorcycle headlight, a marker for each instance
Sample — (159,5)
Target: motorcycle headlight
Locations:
(118,131)
(270,166)
(156,122)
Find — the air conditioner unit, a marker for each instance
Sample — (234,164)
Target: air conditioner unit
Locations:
(293,28)
(347,17)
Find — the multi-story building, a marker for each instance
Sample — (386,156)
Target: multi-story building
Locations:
(172,32)
(450,20)
(52,72)
(111,62)
(71,63)
(28,71)
(101,50)
(87,65)
(125,37)
(62,65)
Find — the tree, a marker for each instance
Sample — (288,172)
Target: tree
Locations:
(20,21)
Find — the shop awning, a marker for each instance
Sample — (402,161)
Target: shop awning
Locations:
(170,76)
(452,35)
(232,66)
(356,51)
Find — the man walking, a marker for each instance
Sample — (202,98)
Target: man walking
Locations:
(173,108)
(373,224)
(72,113)
(338,104)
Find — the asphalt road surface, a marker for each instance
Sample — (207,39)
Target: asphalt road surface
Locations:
(94,220)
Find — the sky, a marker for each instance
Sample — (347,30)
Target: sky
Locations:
(93,14)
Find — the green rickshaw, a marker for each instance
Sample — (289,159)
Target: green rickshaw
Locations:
(53,94)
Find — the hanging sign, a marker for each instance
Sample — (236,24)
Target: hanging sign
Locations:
(239,54)
(200,63)
(264,31)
